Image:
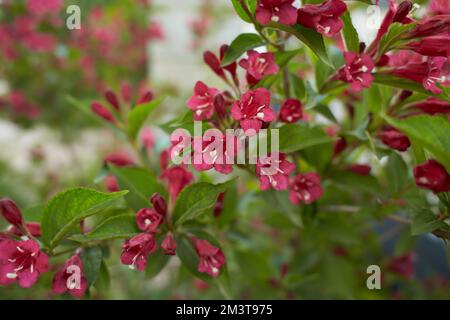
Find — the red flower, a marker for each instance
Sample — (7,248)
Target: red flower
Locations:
(428,73)
(21,261)
(178,178)
(273,171)
(136,250)
(159,203)
(281,11)
(440,6)
(394,139)
(11,212)
(102,112)
(33,228)
(147,138)
(357,71)
(66,279)
(119,158)
(211,259)
(111,183)
(291,111)
(435,46)
(403,265)
(253,109)
(148,219)
(433,106)
(258,66)
(214,63)
(437,25)
(324,17)
(218,206)
(305,188)
(202,101)
(42,7)
(169,245)
(112,99)
(432,175)
(361,169)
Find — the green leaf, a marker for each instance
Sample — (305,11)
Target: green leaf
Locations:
(405,84)
(141,183)
(68,208)
(397,173)
(279,201)
(425,221)
(103,278)
(195,199)
(294,137)
(240,45)
(309,37)
(155,263)
(139,114)
(92,260)
(350,34)
(240,11)
(393,36)
(120,226)
(34,213)
(431,132)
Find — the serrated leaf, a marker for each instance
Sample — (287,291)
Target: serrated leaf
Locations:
(195,199)
(141,184)
(137,116)
(294,137)
(68,208)
(240,45)
(120,226)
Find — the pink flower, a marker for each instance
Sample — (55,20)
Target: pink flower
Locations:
(21,261)
(147,138)
(258,66)
(65,280)
(432,175)
(119,158)
(136,250)
(433,106)
(42,7)
(357,71)
(435,46)
(211,259)
(159,203)
(305,188)
(202,101)
(394,139)
(291,111)
(177,178)
(102,112)
(273,171)
(111,97)
(111,183)
(148,219)
(440,6)
(433,26)
(169,245)
(11,212)
(155,31)
(403,265)
(39,42)
(253,109)
(281,11)
(20,105)
(324,17)
(214,63)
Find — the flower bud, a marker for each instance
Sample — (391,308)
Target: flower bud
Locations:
(159,203)
(112,99)
(102,112)
(11,212)
(169,245)
(432,175)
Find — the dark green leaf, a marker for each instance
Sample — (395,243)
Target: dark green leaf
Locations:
(350,34)
(240,45)
(92,260)
(424,221)
(155,263)
(294,137)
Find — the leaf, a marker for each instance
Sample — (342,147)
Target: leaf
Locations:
(294,137)
(141,183)
(138,115)
(92,260)
(350,34)
(120,226)
(279,201)
(103,278)
(425,221)
(196,198)
(240,45)
(393,36)
(431,132)
(397,173)
(68,208)
(34,213)
(155,263)
(309,37)
(406,84)
(240,11)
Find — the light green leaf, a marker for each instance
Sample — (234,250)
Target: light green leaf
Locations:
(350,34)
(240,11)
(425,221)
(294,137)
(68,208)
(240,45)
(139,114)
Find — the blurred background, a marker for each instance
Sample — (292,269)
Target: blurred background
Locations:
(47,144)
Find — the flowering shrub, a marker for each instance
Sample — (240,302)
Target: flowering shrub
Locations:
(296,220)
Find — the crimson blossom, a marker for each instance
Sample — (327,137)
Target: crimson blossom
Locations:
(281,11)
(273,171)
(62,280)
(357,71)
(324,17)
(211,258)
(305,188)
(432,175)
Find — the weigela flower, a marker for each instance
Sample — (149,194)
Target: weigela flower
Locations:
(305,188)
(291,111)
(147,138)
(33,228)
(169,245)
(214,63)
(357,71)
(433,106)
(273,171)
(177,178)
(202,101)
(136,250)
(324,17)
(281,11)
(64,280)
(440,6)
(42,7)
(432,175)
(435,46)
(258,66)
(433,26)
(402,265)
(148,219)
(102,112)
(111,97)
(218,206)
(11,212)
(21,261)
(253,109)
(119,158)
(211,258)
(394,139)
(111,183)
(159,203)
